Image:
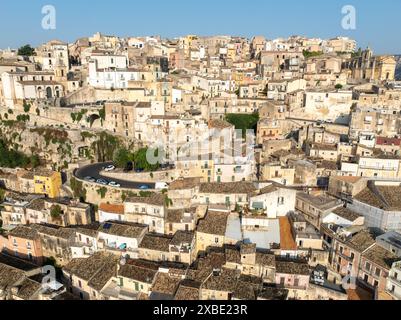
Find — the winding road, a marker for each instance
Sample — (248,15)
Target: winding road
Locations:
(94,170)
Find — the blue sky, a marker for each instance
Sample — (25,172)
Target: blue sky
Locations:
(377,21)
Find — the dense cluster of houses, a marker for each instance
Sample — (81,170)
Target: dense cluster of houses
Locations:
(306,208)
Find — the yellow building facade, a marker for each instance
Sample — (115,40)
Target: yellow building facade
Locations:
(48,183)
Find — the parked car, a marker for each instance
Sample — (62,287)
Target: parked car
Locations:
(161,185)
(114,184)
(138,170)
(144,187)
(109,168)
(102,181)
(90,179)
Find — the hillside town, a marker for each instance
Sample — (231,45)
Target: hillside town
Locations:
(200,168)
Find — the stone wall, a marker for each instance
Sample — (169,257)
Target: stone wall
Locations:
(145,177)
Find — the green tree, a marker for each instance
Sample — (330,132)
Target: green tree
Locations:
(12,158)
(34,161)
(27,51)
(308,54)
(141,161)
(56,211)
(102,113)
(122,157)
(102,192)
(243,121)
(27,107)
(339,86)
(357,53)
(78,189)
(2,194)
(106,146)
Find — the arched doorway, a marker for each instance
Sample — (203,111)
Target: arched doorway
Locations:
(40,93)
(49,93)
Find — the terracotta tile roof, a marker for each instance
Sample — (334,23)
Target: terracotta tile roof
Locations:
(182,237)
(186,183)
(225,281)
(155,242)
(346,213)
(383,197)
(54,231)
(138,270)
(9,275)
(37,204)
(245,290)
(287,241)
(165,284)
(219,124)
(24,232)
(362,240)
(204,266)
(228,188)
(292,267)
(380,256)
(268,189)
(265,259)
(214,223)
(233,255)
(112,208)
(388,141)
(129,230)
(98,269)
(154,199)
(188,290)
(174,215)
(28,288)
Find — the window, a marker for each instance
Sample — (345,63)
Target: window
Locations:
(378,272)
(376,283)
(216,240)
(367,266)
(79,283)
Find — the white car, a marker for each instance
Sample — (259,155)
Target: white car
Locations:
(114,184)
(109,168)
